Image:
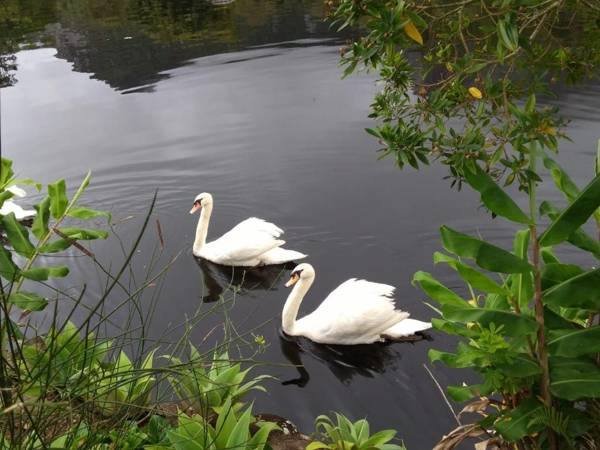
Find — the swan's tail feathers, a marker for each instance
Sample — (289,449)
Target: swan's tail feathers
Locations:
(280,255)
(406,327)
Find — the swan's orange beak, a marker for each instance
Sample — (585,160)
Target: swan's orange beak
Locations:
(196,207)
(293,280)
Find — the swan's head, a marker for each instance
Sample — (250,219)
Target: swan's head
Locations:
(302,271)
(201,200)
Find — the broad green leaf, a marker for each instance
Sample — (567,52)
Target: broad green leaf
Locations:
(571,384)
(450,359)
(58,198)
(240,435)
(548,255)
(494,197)
(40,222)
(56,246)
(8,269)
(83,213)
(574,342)
(17,236)
(518,422)
(554,321)
(452,328)
(579,238)
(6,171)
(259,440)
(43,273)
(317,445)
(580,291)
(521,284)
(435,290)
(84,234)
(380,438)
(556,273)
(485,255)
(475,278)
(226,421)
(28,300)
(514,324)
(561,179)
(575,215)
(521,367)
(5,196)
(464,393)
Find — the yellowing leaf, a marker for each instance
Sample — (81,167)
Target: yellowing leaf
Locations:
(545,129)
(476,93)
(412,32)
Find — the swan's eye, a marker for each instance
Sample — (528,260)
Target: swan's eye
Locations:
(296,273)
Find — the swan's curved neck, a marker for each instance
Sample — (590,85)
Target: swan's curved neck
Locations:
(202,228)
(292,304)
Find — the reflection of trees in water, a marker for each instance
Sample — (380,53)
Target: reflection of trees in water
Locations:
(19,19)
(129,43)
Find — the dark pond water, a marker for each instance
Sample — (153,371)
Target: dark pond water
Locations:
(245,101)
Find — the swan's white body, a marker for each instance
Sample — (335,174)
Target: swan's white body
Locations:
(356,312)
(253,242)
(11,207)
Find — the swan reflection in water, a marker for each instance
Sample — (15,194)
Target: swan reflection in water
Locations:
(219,279)
(344,361)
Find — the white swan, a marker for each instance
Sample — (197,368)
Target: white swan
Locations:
(253,242)
(356,312)
(11,207)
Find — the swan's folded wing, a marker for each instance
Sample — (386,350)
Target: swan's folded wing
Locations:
(248,240)
(357,307)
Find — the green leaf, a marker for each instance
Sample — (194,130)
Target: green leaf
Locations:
(83,213)
(485,255)
(520,367)
(5,196)
(575,215)
(58,198)
(240,435)
(8,269)
(43,273)
(579,238)
(516,424)
(56,246)
(84,234)
(475,278)
(28,300)
(514,324)
(6,171)
(380,438)
(437,291)
(580,291)
(521,285)
(556,273)
(42,218)
(571,384)
(464,393)
(561,179)
(316,445)
(452,328)
(494,197)
(17,236)
(574,342)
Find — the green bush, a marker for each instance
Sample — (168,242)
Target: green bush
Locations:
(345,435)
(206,391)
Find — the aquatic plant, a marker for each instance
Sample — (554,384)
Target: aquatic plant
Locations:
(207,391)
(344,434)
(468,100)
